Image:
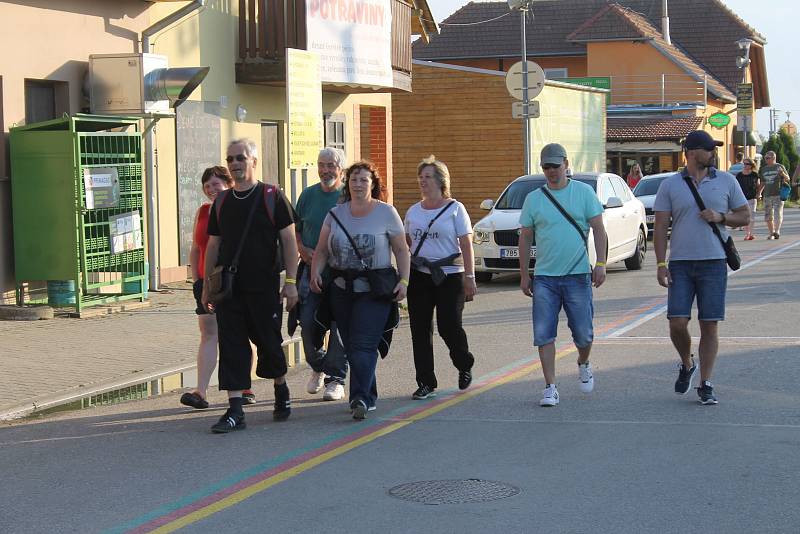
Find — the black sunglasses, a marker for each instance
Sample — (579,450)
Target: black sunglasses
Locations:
(237,157)
(548,166)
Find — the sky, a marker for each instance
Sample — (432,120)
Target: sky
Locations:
(771,18)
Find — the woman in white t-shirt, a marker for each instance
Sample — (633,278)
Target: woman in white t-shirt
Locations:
(439,234)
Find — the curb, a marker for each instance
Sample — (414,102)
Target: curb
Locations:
(25,313)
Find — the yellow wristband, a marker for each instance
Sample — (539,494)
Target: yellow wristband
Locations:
(290,281)
(404,282)
(600,264)
(661,264)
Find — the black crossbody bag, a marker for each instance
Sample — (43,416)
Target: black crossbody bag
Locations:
(381,281)
(568,217)
(221,279)
(731,254)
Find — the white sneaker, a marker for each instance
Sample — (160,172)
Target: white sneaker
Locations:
(316,382)
(550,397)
(587,379)
(333,391)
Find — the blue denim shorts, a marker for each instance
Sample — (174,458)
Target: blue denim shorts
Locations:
(706,279)
(573,293)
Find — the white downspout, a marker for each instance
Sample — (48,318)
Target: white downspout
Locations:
(149,151)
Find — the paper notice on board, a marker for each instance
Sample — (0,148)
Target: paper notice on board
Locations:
(101,187)
(125,232)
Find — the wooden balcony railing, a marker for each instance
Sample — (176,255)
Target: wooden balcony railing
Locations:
(268,27)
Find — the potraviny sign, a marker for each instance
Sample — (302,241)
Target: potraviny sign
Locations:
(719,120)
(353,39)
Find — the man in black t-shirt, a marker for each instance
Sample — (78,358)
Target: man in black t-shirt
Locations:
(254,312)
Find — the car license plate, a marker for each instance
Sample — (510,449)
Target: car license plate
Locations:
(651,218)
(514,252)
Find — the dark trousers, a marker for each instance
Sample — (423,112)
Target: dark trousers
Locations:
(448,300)
(360,320)
(250,317)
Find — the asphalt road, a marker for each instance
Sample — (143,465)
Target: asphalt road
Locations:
(631,457)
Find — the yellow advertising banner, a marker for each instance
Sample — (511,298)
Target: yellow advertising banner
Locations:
(303,107)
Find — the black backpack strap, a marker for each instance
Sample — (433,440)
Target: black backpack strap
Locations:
(270,192)
(235,262)
(430,224)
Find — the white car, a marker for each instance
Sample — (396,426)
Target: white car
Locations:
(496,236)
(646,191)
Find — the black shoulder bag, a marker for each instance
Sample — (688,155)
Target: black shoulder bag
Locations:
(731,254)
(435,267)
(568,217)
(381,281)
(220,281)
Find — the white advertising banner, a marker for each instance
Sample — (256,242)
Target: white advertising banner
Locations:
(353,39)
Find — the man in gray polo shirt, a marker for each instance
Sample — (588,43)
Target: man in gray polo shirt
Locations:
(697,266)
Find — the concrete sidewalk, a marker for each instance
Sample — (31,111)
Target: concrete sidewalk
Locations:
(54,362)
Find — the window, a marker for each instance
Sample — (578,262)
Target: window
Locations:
(45,100)
(334,131)
(555,74)
(621,189)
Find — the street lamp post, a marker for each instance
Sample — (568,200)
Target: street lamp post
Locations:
(522,6)
(742,62)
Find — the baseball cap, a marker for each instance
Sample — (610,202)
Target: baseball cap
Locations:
(553,154)
(700,139)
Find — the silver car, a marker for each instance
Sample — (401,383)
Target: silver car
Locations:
(496,236)
(646,191)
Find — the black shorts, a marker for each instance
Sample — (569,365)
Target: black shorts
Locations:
(250,317)
(197,289)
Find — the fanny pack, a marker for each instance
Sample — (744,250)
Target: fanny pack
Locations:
(438,276)
(731,254)
(381,281)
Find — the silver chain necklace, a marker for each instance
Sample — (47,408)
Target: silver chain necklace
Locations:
(249,192)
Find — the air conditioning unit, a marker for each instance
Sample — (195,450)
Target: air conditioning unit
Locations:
(139,84)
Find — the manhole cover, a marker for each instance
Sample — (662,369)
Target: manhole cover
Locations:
(453,491)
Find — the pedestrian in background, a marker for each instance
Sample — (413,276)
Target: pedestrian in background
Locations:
(751,187)
(697,265)
(358,236)
(560,214)
(634,176)
(253,312)
(328,367)
(214,180)
(439,234)
(773,175)
(739,165)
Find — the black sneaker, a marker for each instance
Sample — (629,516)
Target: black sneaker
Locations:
(425,392)
(777,235)
(464,379)
(229,422)
(248,397)
(684,382)
(283,403)
(194,400)
(359,408)
(706,393)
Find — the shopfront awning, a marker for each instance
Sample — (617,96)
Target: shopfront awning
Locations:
(736,138)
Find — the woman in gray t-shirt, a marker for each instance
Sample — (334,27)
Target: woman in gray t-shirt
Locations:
(378,233)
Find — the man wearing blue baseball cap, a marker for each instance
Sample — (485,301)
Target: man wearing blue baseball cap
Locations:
(697,265)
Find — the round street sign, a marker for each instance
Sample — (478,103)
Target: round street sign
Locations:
(535,80)
(719,120)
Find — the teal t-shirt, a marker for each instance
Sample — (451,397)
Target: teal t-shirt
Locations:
(312,207)
(559,249)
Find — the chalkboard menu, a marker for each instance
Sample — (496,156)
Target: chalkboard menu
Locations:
(197,139)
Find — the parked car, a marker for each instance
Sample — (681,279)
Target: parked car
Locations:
(496,236)
(646,191)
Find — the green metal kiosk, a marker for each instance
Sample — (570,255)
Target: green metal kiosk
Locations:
(77,201)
